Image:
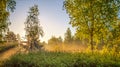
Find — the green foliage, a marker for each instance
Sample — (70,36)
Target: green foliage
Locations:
(6,6)
(93,19)
(58,59)
(32,26)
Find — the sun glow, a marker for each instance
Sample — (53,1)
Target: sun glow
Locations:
(65,48)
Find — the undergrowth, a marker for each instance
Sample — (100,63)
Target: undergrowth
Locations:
(103,58)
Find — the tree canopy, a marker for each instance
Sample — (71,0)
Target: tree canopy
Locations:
(6,6)
(93,19)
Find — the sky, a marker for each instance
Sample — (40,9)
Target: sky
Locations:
(53,19)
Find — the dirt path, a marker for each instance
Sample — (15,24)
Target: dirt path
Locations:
(5,55)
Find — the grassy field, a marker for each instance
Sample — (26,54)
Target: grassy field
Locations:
(63,59)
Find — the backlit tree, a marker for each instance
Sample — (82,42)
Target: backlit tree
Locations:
(93,19)
(33,28)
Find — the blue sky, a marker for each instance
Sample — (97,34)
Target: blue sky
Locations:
(53,18)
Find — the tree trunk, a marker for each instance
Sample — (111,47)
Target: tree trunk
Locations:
(92,27)
(91,41)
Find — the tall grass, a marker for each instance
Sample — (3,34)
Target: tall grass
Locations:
(101,58)
(66,56)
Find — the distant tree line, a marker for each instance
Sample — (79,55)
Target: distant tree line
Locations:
(68,39)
